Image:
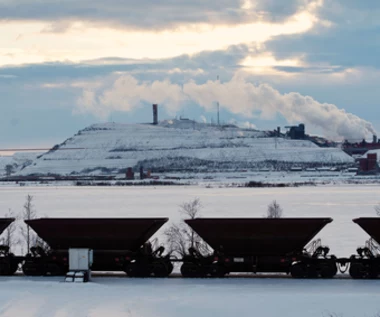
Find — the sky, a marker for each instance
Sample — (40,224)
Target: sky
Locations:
(65,65)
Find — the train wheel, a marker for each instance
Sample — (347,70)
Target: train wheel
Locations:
(311,271)
(328,271)
(132,270)
(4,268)
(357,271)
(298,270)
(217,271)
(190,270)
(160,269)
(56,270)
(33,270)
(373,272)
(138,269)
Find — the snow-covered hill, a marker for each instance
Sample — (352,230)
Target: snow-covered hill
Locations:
(175,145)
(18,161)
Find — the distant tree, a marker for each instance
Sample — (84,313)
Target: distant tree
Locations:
(8,237)
(9,169)
(274,210)
(28,213)
(180,237)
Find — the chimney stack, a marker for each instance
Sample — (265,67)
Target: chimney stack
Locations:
(155,114)
(278,131)
(374,139)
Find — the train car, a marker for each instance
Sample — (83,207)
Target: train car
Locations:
(118,244)
(366,263)
(8,261)
(259,245)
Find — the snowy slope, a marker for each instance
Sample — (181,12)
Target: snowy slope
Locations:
(18,161)
(174,144)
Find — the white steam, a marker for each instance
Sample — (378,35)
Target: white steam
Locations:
(203,119)
(237,96)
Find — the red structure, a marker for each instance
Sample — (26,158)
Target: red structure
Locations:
(360,148)
(130,174)
(369,164)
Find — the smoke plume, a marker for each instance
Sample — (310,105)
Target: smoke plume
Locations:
(237,96)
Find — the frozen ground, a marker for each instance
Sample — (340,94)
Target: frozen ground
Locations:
(118,297)
(21,296)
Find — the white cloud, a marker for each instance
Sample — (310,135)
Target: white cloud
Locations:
(237,96)
(28,42)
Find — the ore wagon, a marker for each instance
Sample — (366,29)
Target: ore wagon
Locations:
(366,263)
(118,244)
(259,245)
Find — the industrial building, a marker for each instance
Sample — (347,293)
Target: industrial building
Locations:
(368,165)
(296,132)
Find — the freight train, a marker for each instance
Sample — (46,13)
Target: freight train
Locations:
(255,245)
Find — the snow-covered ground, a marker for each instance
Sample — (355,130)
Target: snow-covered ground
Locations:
(175,144)
(276,296)
(119,297)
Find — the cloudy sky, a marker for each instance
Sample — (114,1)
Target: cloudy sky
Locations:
(67,64)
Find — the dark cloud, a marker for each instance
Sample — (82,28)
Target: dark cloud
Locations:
(353,39)
(275,10)
(310,70)
(351,13)
(200,66)
(144,13)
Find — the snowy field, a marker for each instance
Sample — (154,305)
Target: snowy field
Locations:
(49,297)
(275,296)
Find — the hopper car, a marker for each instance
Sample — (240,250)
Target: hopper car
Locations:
(237,245)
(366,263)
(118,244)
(260,245)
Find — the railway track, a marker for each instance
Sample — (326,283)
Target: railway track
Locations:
(179,276)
